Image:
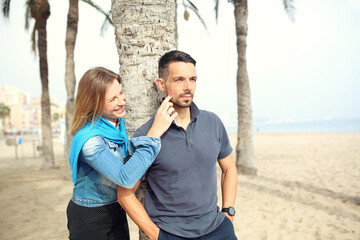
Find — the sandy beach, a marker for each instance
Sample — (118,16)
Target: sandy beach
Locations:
(308,188)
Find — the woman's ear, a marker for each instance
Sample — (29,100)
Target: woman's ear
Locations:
(160,84)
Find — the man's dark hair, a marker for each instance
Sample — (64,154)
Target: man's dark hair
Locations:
(173,56)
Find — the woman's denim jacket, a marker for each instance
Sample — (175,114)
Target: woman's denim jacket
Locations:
(101,168)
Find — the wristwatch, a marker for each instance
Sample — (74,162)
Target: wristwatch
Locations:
(229,210)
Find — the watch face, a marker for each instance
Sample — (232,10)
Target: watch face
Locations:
(231,211)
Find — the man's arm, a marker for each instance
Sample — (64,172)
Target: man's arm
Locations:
(228,182)
(136,211)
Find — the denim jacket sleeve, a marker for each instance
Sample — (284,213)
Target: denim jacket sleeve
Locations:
(144,151)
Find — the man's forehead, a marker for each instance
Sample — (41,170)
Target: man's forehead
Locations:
(181,68)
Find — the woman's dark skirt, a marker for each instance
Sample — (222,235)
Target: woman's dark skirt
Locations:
(97,223)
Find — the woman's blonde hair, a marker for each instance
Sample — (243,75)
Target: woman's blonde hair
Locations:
(90,97)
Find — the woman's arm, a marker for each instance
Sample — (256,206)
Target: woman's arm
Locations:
(97,154)
(146,148)
(136,211)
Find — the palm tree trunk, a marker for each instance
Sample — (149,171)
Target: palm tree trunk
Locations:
(47,143)
(70,80)
(176,27)
(245,161)
(144,31)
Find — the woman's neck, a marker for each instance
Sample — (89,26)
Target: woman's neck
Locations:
(113,121)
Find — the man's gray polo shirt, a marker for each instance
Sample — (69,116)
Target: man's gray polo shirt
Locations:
(181,197)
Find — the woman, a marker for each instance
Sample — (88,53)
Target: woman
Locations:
(98,156)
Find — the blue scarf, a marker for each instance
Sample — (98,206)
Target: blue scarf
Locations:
(100,127)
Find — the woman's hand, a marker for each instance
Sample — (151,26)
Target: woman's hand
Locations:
(165,115)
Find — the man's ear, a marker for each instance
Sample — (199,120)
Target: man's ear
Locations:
(160,84)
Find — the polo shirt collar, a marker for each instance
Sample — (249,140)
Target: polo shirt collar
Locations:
(194,111)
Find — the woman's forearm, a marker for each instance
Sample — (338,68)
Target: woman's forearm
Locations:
(136,211)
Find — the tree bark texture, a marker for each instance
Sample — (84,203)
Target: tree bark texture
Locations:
(145,30)
(176,27)
(245,161)
(47,144)
(70,80)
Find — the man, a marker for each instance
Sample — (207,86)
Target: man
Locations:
(181,198)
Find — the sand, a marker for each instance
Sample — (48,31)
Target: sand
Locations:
(308,187)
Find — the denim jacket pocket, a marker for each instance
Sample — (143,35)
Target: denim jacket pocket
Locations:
(111,145)
(115,149)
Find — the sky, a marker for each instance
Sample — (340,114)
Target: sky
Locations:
(302,70)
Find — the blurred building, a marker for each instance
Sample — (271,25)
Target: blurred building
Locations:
(25,112)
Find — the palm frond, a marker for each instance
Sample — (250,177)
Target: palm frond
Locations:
(33,39)
(191,6)
(105,25)
(107,15)
(290,9)
(5,8)
(27,14)
(216,10)
(28,6)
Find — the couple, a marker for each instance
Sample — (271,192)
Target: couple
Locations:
(176,151)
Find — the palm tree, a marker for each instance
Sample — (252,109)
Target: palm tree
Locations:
(245,161)
(70,80)
(144,31)
(40,11)
(4,113)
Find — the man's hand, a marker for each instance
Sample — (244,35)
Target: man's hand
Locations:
(229,217)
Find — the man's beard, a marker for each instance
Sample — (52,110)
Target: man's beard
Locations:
(185,104)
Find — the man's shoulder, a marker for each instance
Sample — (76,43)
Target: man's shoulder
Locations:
(210,120)
(208,115)
(143,129)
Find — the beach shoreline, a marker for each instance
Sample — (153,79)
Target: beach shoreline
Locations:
(307,188)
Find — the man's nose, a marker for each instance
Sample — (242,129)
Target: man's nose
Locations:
(187,84)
